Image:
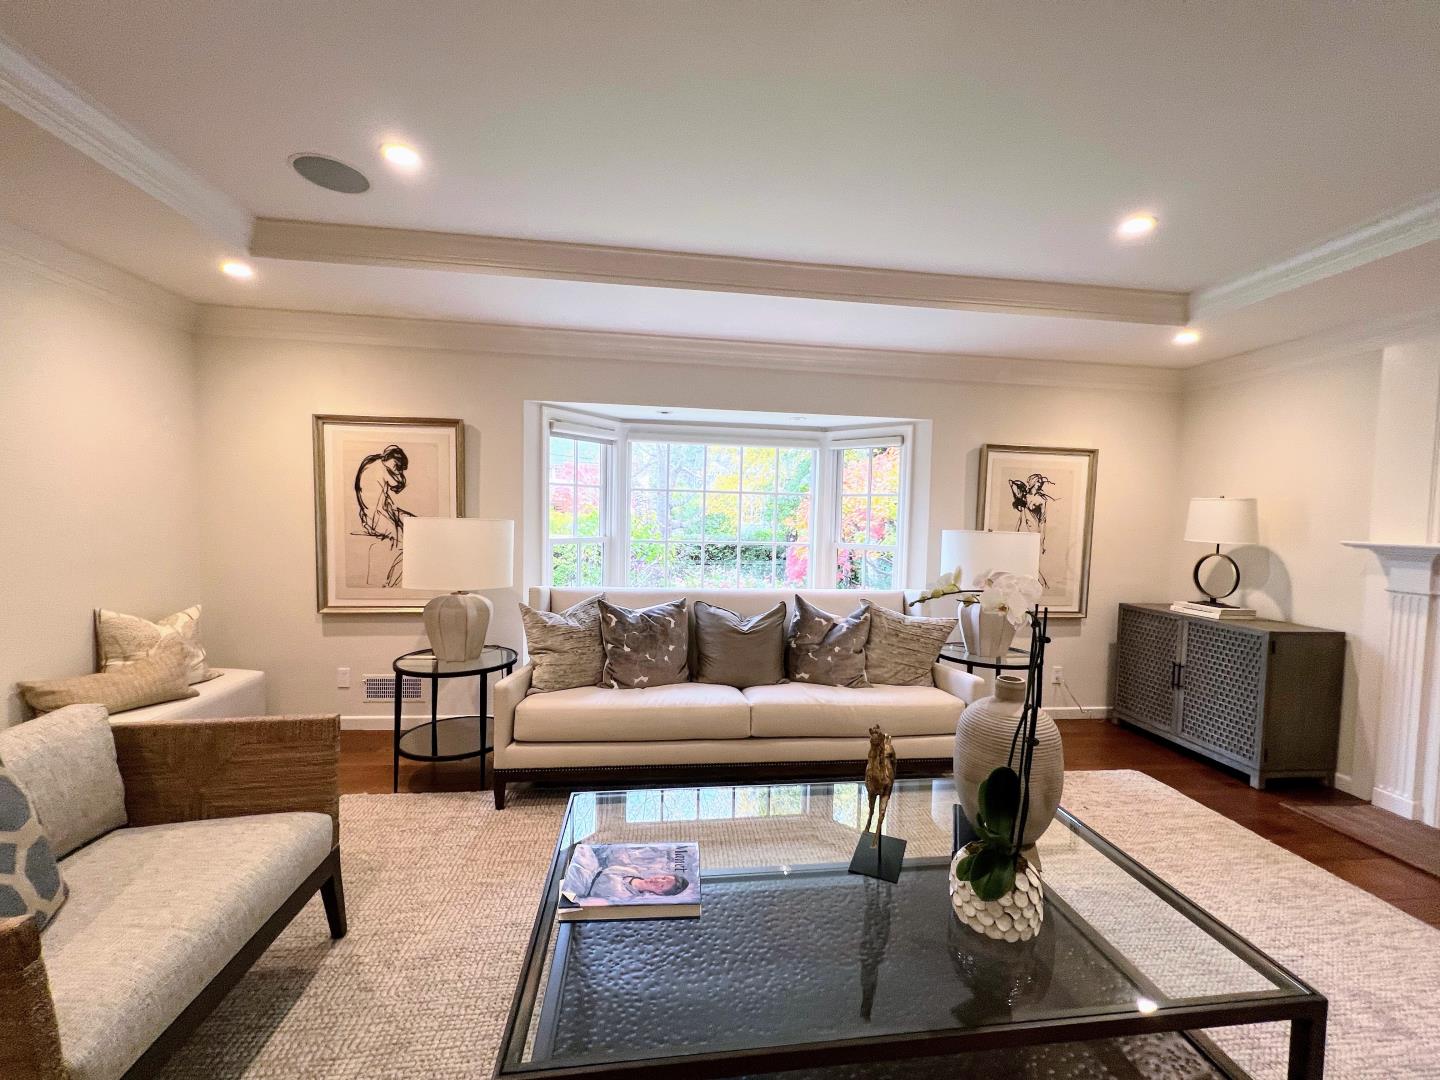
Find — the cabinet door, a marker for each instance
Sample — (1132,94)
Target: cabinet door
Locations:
(1147,649)
(1222,692)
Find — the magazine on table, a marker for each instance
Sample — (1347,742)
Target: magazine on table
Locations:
(631,881)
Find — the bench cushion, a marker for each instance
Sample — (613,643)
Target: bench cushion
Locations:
(652,714)
(808,710)
(154,914)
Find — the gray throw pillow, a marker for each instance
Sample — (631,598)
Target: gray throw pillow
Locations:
(825,649)
(30,882)
(564,645)
(644,647)
(903,648)
(739,652)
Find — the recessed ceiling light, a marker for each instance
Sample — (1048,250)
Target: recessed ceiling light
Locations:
(240,271)
(1137,225)
(406,157)
(1186,337)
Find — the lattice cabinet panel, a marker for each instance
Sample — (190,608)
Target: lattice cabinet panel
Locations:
(1257,695)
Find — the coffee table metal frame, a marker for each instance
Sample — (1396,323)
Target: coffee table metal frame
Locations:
(1302,1006)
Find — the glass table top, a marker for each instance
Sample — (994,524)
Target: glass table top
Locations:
(791,950)
(491,658)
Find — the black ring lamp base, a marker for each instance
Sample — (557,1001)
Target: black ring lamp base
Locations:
(1214,601)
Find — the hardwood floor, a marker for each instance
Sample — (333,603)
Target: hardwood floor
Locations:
(365,767)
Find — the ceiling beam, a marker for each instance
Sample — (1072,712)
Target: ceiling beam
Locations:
(315,241)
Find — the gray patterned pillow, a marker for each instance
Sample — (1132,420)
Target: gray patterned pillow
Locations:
(645,647)
(739,652)
(903,648)
(30,882)
(825,649)
(564,645)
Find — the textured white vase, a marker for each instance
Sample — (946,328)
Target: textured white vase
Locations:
(982,745)
(457,624)
(986,633)
(1016,916)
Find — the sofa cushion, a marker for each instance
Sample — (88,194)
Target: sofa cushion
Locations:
(65,762)
(154,914)
(902,648)
(124,639)
(736,651)
(161,676)
(30,882)
(599,714)
(564,645)
(232,692)
(807,710)
(827,649)
(644,647)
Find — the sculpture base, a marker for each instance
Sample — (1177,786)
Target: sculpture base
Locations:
(883,861)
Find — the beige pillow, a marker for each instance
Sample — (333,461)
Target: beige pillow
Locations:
(159,677)
(564,645)
(124,639)
(902,649)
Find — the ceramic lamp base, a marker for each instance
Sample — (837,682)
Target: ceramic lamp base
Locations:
(986,633)
(457,624)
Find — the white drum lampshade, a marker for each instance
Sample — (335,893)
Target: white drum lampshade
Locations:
(974,555)
(458,555)
(1222,521)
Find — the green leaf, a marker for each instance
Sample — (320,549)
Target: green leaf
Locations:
(993,873)
(964,866)
(999,803)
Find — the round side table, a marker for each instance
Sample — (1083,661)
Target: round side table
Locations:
(447,738)
(1013,659)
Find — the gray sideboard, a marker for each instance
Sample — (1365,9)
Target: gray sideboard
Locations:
(1260,696)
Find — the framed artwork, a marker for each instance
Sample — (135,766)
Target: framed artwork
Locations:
(1050,491)
(372,473)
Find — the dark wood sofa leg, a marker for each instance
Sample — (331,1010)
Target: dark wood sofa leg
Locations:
(499,786)
(332,893)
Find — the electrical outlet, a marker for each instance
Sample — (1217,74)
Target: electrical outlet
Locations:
(342,678)
(1058,678)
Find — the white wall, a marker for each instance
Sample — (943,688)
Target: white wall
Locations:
(98,400)
(1303,443)
(257,397)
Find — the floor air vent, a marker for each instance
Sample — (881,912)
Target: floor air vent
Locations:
(382,688)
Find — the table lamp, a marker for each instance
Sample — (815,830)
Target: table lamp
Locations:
(973,555)
(458,555)
(1220,521)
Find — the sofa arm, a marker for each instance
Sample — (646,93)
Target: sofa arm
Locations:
(29,1034)
(187,770)
(961,684)
(509,692)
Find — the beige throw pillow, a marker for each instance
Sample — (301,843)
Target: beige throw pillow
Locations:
(124,639)
(159,677)
(902,649)
(564,645)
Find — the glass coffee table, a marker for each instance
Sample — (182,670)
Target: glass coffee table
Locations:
(800,969)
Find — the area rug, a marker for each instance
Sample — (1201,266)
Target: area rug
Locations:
(442,890)
(1409,841)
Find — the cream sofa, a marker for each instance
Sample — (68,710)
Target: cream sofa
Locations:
(593,734)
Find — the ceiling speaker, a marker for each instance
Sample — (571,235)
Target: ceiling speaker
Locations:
(330,174)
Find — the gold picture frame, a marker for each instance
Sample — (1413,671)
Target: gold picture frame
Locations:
(1020,488)
(372,472)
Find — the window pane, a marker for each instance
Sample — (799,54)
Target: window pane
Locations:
(680,804)
(722,468)
(885,470)
(645,507)
(797,469)
(591,568)
(687,466)
(879,569)
(794,517)
(647,465)
(884,519)
(587,511)
(796,566)
(590,457)
(686,514)
(647,565)
(751,801)
(757,517)
(787,799)
(759,471)
(854,470)
(849,568)
(757,566)
(642,805)
(562,564)
(720,566)
(722,516)
(562,460)
(853,519)
(684,568)
(716,803)
(562,510)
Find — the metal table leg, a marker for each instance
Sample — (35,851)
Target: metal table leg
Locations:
(484,720)
(1307,1048)
(395,744)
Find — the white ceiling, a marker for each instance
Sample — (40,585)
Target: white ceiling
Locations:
(998,139)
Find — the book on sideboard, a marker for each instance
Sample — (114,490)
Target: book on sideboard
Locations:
(1212,611)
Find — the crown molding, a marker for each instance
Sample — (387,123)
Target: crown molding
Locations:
(32,253)
(1416,224)
(44,98)
(513,341)
(368,245)
(1355,339)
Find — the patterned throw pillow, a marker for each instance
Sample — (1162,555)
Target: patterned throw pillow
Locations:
(644,647)
(30,882)
(161,676)
(902,648)
(564,645)
(124,639)
(739,652)
(826,649)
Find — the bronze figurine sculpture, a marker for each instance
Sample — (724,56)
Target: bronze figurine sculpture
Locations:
(879,778)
